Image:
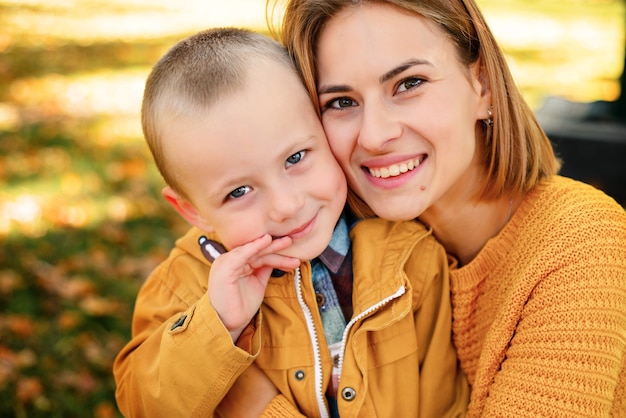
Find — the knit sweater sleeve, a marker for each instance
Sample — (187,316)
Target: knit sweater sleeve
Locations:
(566,357)
(555,342)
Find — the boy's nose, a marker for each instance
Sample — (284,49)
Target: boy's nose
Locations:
(285,204)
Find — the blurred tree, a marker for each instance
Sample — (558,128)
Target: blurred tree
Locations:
(590,138)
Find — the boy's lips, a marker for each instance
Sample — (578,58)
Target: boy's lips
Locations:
(300,231)
(394,170)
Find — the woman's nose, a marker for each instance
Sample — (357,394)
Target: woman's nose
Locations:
(379,126)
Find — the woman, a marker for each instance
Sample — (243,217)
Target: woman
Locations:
(422,113)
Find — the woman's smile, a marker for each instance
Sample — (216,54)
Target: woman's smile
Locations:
(395,170)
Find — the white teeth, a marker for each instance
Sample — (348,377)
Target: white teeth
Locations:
(394,169)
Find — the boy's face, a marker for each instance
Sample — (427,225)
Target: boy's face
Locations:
(258,163)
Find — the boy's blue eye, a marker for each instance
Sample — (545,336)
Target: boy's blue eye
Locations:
(238,192)
(295,158)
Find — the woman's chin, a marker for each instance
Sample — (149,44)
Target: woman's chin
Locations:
(395,213)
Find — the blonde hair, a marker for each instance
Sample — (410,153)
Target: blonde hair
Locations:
(516,152)
(192,76)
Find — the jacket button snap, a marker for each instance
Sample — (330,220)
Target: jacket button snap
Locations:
(179,323)
(348,394)
(299,375)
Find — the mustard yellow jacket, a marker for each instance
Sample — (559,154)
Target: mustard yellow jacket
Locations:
(398,356)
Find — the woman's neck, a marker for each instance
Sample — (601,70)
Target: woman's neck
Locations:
(463,228)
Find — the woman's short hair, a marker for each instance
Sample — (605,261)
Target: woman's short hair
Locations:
(516,152)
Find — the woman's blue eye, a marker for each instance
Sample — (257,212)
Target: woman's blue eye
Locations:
(295,158)
(409,83)
(238,192)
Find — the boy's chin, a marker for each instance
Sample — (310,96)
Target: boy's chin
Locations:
(304,252)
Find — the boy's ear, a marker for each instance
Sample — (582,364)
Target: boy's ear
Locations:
(186,209)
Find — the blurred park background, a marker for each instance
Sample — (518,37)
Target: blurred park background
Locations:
(82,222)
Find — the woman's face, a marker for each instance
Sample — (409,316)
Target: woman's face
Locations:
(400,110)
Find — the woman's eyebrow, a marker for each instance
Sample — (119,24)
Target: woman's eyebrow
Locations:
(333,89)
(402,67)
(344,88)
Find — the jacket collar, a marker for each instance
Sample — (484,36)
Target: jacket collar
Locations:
(381,249)
(334,255)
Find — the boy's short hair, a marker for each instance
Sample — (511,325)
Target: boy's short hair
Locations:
(193,75)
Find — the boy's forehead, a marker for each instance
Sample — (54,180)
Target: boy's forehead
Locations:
(242,136)
(266,118)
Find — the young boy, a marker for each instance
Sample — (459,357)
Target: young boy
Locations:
(234,134)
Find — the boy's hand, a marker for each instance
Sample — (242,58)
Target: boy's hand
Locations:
(238,279)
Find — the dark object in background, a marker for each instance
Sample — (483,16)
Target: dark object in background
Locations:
(590,139)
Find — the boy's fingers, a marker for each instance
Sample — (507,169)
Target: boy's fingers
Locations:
(259,253)
(262,246)
(275,261)
(252,248)
(279,244)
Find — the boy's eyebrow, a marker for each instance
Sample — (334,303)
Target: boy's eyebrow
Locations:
(342,88)
(221,187)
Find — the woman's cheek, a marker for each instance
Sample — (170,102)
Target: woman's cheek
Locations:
(340,143)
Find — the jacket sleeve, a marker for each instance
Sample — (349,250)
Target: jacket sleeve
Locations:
(181,360)
(441,377)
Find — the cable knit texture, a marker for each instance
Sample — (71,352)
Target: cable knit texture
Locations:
(539,316)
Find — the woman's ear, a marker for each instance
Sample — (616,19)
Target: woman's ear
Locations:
(186,209)
(479,74)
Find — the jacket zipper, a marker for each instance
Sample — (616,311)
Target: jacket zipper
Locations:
(319,391)
(360,316)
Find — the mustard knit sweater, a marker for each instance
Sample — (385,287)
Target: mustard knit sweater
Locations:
(539,316)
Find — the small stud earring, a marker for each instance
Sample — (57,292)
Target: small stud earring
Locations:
(489,121)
